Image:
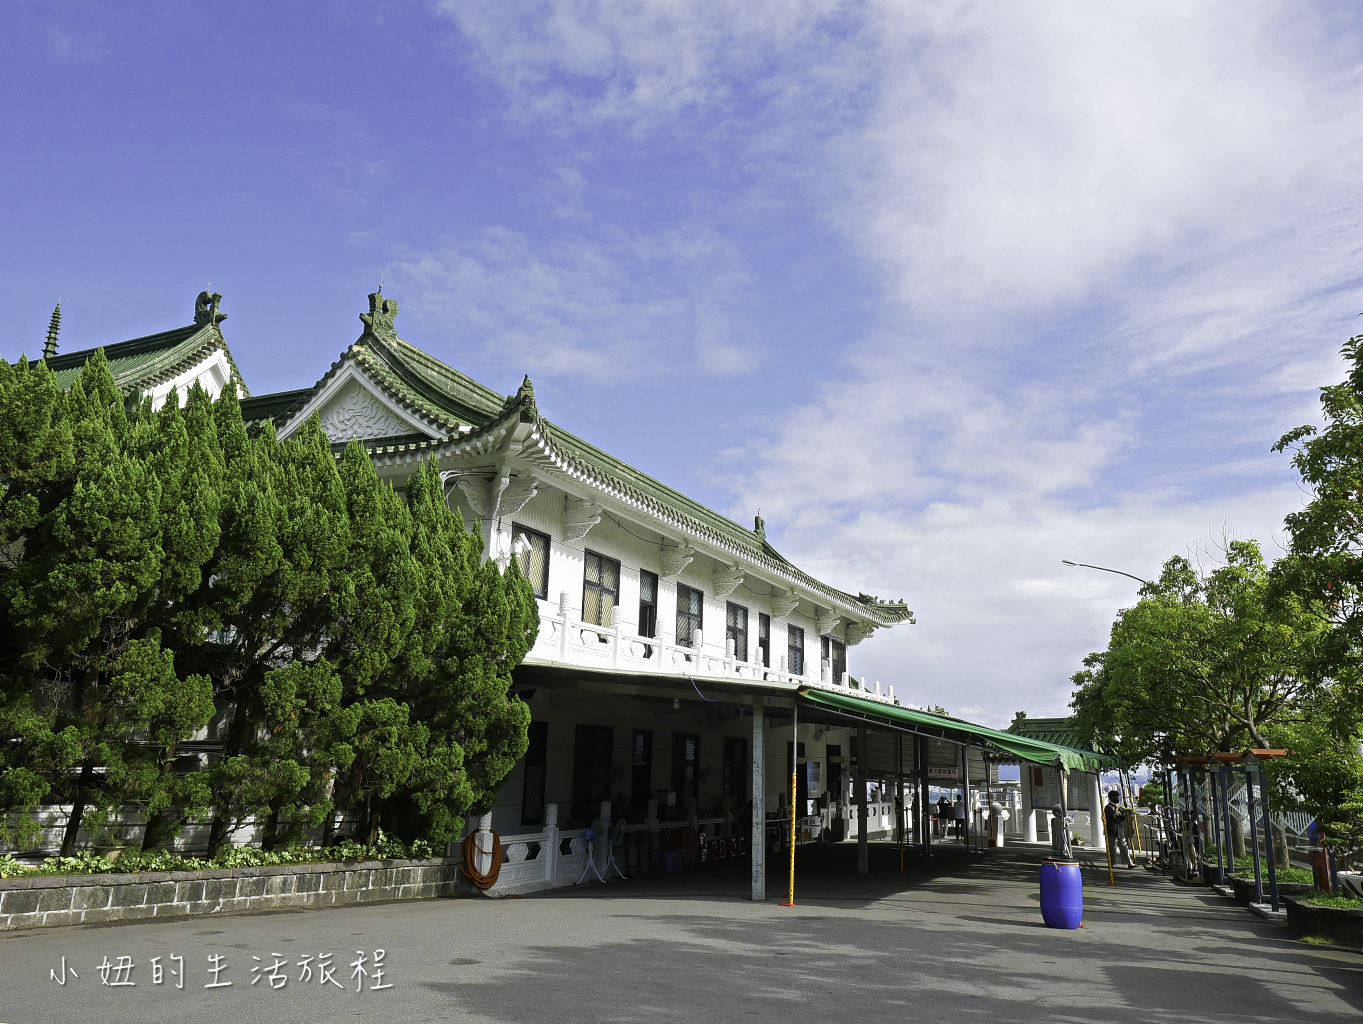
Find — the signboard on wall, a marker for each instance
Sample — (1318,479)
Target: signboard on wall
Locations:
(1046,788)
(948,772)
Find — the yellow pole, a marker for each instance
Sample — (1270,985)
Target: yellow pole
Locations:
(1135,822)
(1107,838)
(794,770)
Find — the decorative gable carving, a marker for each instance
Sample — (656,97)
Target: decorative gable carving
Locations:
(357,414)
(579,516)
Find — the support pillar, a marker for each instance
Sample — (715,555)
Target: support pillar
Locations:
(965,794)
(863,838)
(1096,833)
(758,845)
(920,750)
(1027,810)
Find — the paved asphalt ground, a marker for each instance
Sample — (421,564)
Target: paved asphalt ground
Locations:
(959,941)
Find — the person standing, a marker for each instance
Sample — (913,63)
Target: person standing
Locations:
(1115,821)
(943,815)
(959,808)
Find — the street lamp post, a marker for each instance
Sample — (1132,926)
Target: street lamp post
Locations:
(1103,568)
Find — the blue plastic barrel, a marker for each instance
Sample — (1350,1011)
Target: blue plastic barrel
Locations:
(1062,893)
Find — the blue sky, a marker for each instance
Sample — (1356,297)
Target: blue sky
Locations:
(950,291)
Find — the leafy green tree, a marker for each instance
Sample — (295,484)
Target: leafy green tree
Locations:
(1203,662)
(90,560)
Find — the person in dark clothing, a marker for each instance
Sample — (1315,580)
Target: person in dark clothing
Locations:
(943,815)
(1114,823)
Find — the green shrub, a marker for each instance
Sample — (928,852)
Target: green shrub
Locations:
(1333,901)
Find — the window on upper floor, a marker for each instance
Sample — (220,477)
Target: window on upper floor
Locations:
(736,629)
(600,588)
(531,549)
(795,650)
(834,657)
(764,639)
(648,603)
(690,615)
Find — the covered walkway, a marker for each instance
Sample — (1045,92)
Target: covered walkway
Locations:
(960,941)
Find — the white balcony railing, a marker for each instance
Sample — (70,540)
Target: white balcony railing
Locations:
(566,640)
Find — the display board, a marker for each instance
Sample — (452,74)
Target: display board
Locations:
(1046,788)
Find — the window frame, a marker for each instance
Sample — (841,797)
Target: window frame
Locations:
(695,620)
(599,588)
(732,629)
(764,638)
(541,587)
(795,649)
(648,610)
(534,773)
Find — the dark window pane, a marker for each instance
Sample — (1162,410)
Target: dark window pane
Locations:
(641,771)
(600,588)
(536,763)
(736,629)
(648,603)
(764,639)
(591,771)
(685,767)
(837,657)
(531,549)
(690,605)
(736,767)
(795,650)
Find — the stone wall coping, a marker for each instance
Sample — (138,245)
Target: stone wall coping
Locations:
(145,877)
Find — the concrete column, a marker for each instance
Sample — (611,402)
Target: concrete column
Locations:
(549,851)
(1027,812)
(965,793)
(863,837)
(1096,834)
(757,846)
(920,753)
(482,843)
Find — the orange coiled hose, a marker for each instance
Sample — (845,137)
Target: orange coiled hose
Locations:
(469,850)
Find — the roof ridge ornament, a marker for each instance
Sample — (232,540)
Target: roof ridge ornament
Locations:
(379,320)
(206,308)
(54,325)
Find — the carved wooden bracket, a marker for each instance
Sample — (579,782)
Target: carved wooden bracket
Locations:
(726,579)
(675,558)
(503,495)
(856,632)
(783,602)
(579,516)
(828,621)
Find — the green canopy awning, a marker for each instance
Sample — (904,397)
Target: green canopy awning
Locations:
(1025,748)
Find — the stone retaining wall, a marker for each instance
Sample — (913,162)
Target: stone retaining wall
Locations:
(86,899)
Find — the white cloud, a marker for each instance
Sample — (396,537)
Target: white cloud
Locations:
(606,308)
(1116,245)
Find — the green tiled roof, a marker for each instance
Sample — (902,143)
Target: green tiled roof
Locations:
(461,412)
(142,363)
(256,411)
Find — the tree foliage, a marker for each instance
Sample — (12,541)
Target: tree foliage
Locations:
(166,576)
(1203,662)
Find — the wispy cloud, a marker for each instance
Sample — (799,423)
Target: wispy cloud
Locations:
(608,308)
(1115,247)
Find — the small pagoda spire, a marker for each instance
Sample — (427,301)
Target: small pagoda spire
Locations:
(50,346)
